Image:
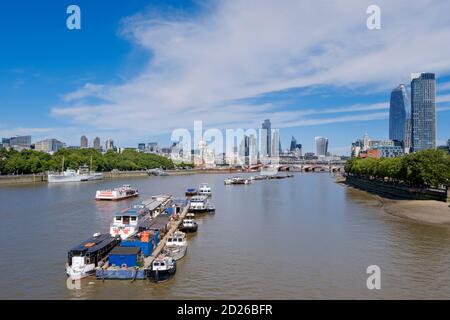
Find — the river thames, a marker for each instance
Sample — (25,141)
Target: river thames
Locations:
(301,238)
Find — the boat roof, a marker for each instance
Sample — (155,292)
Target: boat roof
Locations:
(130,212)
(158,223)
(199,198)
(125,251)
(94,243)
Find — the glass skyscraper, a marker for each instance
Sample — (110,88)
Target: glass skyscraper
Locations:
(267,140)
(400,115)
(321,146)
(423,110)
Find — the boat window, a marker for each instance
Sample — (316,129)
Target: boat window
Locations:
(133,218)
(126,220)
(162,264)
(156,264)
(180,240)
(118,218)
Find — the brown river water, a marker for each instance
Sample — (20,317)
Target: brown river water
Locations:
(300,238)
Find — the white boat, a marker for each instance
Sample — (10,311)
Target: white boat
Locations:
(189,225)
(124,192)
(82,174)
(92,253)
(176,245)
(237,180)
(73,176)
(204,190)
(228,181)
(126,223)
(162,269)
(200,204)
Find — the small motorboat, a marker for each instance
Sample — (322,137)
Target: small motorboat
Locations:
(162,269)
(191,192)
(188,225)
(176,245)
(228,181)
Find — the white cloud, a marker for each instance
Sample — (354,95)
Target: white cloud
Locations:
(199,67)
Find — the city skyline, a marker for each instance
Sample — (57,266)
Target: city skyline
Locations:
(101,89)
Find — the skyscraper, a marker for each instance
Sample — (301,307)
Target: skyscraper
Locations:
(109,144)
(423,110)
(321,146)
(97,145)
(84,142)
(399,112)
(293,144)
(267,139)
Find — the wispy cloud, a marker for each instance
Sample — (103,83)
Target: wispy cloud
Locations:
(199,67)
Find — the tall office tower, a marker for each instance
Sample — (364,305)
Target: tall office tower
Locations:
(399,113)
(83,142)
(423,110)
(267,139)
(293,144)
(321,146)
(97,145)
(109,144)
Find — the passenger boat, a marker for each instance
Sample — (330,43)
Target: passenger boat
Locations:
(188,225)
(126,223)
(176,245)
(191,192)
(92,253)
(162,268)
(124,192)
(204,190)
(200,204)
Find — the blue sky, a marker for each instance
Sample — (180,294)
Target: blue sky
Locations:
(139,69)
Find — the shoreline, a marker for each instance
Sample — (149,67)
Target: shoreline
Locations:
(14,180)
(423,211)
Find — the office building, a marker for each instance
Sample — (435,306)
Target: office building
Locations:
(83,142)
(321,146)
(97,145)
(423,111)
(266,138)
(400,116)
(49,145)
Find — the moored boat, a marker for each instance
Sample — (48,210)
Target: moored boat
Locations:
(162,268)
(176,245)
(200,204)
(188,225)
(92,253)
(204,190)
(126,223)
(124,192)
(191,192)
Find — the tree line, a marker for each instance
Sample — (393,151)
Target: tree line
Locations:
(31,161)
(427,168)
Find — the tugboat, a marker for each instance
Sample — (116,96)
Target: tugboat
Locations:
(189,225)
(191,192)
(204,190)
(200,204)
(176,245)
(92,253)
(124,192)
(162,269)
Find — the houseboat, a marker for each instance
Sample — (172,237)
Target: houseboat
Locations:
(188,225)
(124,192)
(204,190)
(200,204)
(162,268)
(126,223)
(176,245)
(123,263)
(92,253)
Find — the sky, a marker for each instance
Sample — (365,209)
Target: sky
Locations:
(139,69)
